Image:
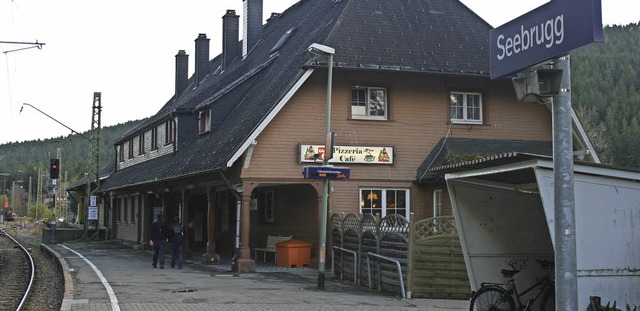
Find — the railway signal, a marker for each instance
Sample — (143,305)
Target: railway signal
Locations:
(54,169)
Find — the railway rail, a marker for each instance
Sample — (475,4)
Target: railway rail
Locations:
(17,273)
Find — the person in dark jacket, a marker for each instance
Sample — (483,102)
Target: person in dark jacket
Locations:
(159,235)
(177,238)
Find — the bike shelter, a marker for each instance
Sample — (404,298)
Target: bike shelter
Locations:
(504,209)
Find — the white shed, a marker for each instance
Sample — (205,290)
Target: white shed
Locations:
(504,211)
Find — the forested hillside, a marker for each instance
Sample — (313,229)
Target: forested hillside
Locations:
(22,160)
(605,82)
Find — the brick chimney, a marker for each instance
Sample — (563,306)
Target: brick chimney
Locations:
(252,22)
(182,72)
(202,57)
(230,32)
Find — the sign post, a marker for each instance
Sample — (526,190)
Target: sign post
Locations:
(550,32)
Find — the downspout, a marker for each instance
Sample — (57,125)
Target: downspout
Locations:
(236,256)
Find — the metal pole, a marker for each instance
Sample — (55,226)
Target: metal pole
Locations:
(564,199)
(13,196)
(29,197)
(54,222)
(325,184)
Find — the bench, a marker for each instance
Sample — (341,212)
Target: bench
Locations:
(271,246)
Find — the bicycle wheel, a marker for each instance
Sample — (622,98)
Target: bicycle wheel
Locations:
(492,299)
(548,302)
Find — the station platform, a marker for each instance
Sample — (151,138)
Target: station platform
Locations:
(106,275)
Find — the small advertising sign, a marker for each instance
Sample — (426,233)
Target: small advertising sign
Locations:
(348,154)
(93,213)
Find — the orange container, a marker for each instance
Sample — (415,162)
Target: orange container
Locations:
(293,254)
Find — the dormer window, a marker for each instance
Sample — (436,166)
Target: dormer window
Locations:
(169,135)
(130,149)
(141,144)
(205,121)
(121,153)
(154,138)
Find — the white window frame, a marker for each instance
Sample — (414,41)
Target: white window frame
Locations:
(383,198)
(204,121)
(367,112)
(437,202)
(465,118)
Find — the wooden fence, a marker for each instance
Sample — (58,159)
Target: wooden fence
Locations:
(423,258)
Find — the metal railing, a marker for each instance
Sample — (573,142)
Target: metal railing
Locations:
(404,294)
(355,263)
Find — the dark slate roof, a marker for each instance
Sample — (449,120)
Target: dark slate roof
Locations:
(430,36)
(453,152)
(435,36)
(105,171)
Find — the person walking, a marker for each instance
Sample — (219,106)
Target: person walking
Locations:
(177,231)
(159,235)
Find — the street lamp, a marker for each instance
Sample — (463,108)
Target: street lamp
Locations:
(323,50)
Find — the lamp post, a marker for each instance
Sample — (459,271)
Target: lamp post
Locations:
(323,50)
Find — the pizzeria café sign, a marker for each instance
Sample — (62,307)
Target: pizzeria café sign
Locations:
(347,154)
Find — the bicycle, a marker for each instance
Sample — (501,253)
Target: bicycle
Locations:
(500,296)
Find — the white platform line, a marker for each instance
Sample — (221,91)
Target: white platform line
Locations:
(112,295)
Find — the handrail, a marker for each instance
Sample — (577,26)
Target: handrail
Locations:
(404,294)
(355,263)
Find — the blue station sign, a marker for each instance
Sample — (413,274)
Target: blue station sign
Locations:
(326,172)
(551,30)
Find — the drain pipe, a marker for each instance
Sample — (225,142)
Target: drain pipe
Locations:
(236,190)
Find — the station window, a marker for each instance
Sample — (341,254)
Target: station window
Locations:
(369,103)
(141,144)
(154,138)
(121,152)
(169,134)
(269,204)
(396,201)
(205,121)
(126,209)
(437,202)
(466,107)
(133,210)
(130,150)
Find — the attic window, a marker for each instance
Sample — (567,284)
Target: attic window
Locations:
(205,121)
(282,40)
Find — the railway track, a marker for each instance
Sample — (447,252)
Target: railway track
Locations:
(17,273)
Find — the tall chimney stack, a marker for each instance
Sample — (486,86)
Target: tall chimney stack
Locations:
(230,32)
(252,22)
(182,72)
(202,57)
